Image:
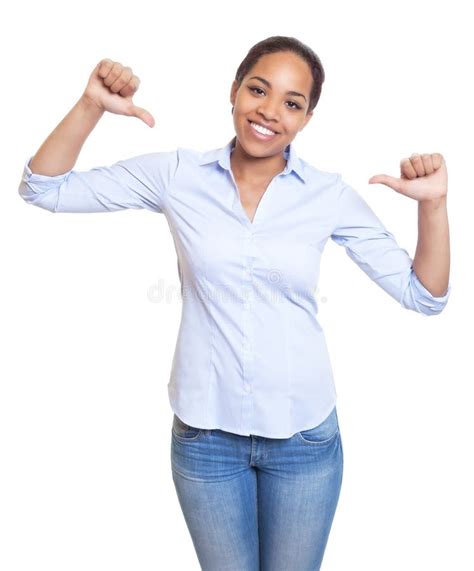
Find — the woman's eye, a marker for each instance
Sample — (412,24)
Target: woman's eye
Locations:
(296,106)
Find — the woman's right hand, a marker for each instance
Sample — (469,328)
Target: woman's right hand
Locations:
(111,87)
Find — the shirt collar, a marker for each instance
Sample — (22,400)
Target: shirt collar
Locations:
(222,156)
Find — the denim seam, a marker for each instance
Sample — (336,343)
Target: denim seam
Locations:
(320,442)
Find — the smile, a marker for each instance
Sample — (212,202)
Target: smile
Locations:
(262,132)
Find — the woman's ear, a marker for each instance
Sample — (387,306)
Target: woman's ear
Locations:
(306,120)
(233,92)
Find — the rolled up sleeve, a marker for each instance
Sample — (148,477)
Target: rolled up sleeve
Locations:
(137,182)
(417,297)
(375,250)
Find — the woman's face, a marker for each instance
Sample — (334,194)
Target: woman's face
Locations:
(269,102)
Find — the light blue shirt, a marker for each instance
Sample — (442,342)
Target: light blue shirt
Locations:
(251,357)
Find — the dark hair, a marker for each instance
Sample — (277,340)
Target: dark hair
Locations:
(285,44)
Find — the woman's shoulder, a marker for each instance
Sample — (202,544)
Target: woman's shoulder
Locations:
(319,172)
(318,177)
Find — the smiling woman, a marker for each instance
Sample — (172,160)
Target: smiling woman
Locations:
(256,449)
(273,95)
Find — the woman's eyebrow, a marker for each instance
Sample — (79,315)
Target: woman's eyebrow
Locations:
(268,84)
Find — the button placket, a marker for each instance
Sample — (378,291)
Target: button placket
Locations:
(248,298)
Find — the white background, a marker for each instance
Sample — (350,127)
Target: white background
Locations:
(85,423)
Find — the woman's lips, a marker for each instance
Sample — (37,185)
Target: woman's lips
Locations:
(261,136)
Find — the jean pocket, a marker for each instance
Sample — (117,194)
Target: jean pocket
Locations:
(184,432)
(323,433)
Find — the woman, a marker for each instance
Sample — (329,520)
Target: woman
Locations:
(256,450)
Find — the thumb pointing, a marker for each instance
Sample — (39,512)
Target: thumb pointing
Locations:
(144,115)
(377,179)
(390,181)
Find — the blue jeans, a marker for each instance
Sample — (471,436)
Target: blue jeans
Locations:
(258,504)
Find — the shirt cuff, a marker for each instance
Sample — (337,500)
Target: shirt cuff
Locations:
(44,181)
(424,296)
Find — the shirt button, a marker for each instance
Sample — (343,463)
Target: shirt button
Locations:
(247,388)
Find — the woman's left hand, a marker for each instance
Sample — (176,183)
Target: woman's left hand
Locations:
(423,178)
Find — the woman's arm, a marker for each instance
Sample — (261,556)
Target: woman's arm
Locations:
(425,178)
(432,256)
(49,180)
(141,181)
(111,87)
(60,150)
(375,250)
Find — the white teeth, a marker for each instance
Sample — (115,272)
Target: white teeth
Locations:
(262,130)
